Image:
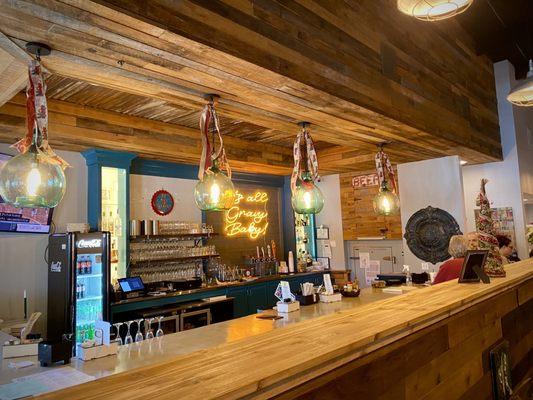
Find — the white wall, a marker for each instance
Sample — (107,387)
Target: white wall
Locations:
(331,217)
(142,187)
(22,265)
(504,188)
(437,183)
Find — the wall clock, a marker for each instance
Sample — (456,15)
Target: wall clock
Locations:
(162,202)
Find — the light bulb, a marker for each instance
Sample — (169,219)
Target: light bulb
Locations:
(386,202)
(307,197)
(33,181)
(215,192)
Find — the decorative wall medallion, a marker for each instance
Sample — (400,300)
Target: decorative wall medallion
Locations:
(162,202)
(428,233)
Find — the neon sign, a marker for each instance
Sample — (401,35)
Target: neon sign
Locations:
(248,216)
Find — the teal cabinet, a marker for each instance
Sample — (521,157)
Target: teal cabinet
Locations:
(240,302)
(257,298)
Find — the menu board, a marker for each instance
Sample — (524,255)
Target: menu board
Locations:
(22,219)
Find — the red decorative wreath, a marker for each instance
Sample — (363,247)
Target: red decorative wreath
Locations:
(162,202)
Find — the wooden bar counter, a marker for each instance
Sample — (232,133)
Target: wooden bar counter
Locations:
(430,343)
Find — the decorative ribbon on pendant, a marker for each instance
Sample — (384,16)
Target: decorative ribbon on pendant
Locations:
(385,171)
(207,118)
(312,159)
(37,116)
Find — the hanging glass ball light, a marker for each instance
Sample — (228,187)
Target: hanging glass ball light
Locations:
(215,192)
(32,179)
(386,202)
(307,197)
(433,10)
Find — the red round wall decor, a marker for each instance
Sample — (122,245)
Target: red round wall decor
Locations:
(162,202)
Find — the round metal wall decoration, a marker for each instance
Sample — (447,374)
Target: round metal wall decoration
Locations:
(162,202)
(428,233)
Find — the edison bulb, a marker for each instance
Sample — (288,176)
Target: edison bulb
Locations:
(32,179)
(215,192)
(386,202)
(307,197)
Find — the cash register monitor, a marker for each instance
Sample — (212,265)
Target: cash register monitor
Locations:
(131,284)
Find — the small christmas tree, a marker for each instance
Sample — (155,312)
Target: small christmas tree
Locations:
(485,228)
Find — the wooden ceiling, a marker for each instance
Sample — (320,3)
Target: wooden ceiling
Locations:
(132,74)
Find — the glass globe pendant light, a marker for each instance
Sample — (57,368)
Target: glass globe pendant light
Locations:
(35,177)
(386,202)
(215,190)
(306,198)
(433,10)
(32,179)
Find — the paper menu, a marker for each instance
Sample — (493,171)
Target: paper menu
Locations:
(372,271)
(327,284)
(364,260)
(43,382)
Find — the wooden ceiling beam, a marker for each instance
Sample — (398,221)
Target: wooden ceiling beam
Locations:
(13,69)
(74,127)
(161,62)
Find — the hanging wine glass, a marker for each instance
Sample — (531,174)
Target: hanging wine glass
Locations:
(149,331)
(118,338)
(139,336)
(129,338)
(159,331)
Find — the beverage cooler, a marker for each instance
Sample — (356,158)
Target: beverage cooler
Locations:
(78,285)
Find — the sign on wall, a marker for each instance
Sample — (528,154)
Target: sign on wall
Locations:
(248,216)
(365,180)
(253,221)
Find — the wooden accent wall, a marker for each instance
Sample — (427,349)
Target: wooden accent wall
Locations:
(358,217)
(449,360)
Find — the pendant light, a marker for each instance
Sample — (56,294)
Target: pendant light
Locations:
(35,177)
(433,10)
(307,198)
(215,190)
(386,201)
(522,94)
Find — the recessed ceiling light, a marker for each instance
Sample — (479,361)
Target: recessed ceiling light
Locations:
(463,162)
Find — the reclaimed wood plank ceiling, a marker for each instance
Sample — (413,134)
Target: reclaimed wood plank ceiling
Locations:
(360,71)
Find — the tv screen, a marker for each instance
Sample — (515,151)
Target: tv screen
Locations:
(22,219)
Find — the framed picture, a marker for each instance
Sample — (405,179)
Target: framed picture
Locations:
(322,233)
(500,364)
(324,262)
(472,270)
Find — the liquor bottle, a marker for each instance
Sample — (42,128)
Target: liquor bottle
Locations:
(110,223)
(118,224)
(104,222)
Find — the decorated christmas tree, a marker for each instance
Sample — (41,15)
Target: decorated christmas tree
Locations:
(487,240)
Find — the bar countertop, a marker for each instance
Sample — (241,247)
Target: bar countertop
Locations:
(249,358)
(150,352)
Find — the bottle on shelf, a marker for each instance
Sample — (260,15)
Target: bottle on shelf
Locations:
(117,224)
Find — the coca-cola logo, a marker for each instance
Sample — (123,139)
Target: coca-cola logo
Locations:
(89,243)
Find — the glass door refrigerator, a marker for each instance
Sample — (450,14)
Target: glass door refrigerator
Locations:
(78,285)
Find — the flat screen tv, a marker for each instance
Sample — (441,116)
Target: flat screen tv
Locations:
(23,219)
